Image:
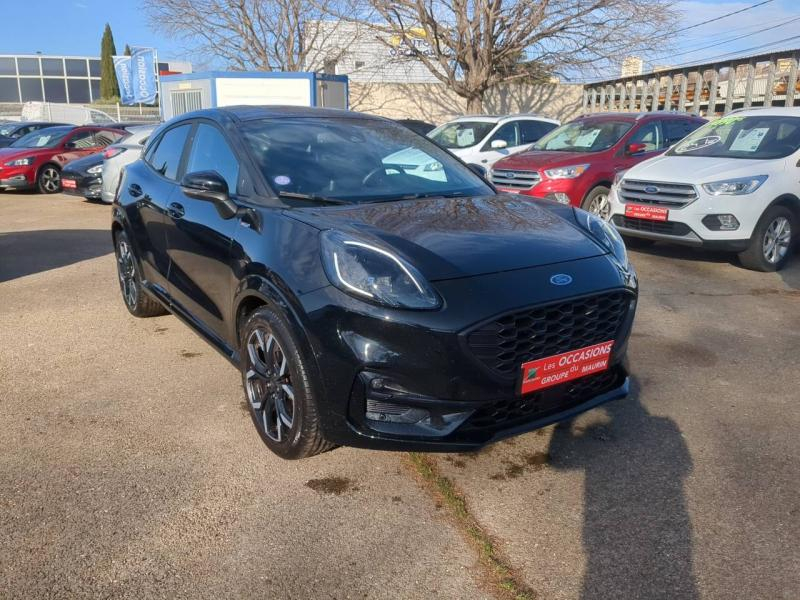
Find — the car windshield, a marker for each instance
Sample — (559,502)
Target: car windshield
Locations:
(461,134)
(584,136)
(755,136)
(44,138)
(355,160)
(8,128)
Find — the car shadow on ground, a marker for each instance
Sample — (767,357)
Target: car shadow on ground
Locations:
(27,252)
(677,252)
(637,533)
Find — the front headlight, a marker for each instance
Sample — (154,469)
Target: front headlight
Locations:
(735,187)
(96,170)
(570,172)
(20,162)
(605,234)
(372,273)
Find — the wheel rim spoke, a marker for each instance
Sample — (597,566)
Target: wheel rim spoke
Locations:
(777,238)
(268,385)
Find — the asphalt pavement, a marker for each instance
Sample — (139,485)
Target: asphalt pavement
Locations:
(130,468)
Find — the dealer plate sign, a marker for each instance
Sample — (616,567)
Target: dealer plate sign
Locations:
(546,372)
(650,213)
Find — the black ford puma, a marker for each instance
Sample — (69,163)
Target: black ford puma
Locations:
(372,289)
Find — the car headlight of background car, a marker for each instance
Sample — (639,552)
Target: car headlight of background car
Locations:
(20,162)
(570,172)
(96,170)
(370,272)
(735,187)
(605,234)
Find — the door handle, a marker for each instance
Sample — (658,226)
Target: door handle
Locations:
(175,210)
(135,190)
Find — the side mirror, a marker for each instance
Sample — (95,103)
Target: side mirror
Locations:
(69,146)
(634,148)
(211,187)
(478,170)
(499,144)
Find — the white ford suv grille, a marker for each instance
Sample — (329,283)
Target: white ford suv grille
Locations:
(657,192)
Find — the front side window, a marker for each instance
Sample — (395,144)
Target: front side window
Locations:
(533,131)
(355,160)
(648,134)
(756,136)
(584,136)
(82,140)
(211,152)
(165,157)
(461,134)
(509,133)
(44,138)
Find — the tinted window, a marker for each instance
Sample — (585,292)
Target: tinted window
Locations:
(755,136)
(509,133)
(28,66)
(531,131)
(76,67)
(78,91)
(677,129)
(94,68)
(7,66)
(590,135)
(95,85)
(359,160)
(31,89)
(648,134)
(8,89)
(166,156)
(461,134)
(82,140)
(107,137)
(55,90)
(52,67)
(210,152)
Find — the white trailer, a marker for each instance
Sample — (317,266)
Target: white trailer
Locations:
(194,91)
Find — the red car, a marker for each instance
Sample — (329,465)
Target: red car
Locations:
(35,160)
(576,163)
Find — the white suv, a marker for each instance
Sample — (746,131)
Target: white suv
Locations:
(484,139)
(733,184)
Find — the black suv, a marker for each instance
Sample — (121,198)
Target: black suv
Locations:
(372,289)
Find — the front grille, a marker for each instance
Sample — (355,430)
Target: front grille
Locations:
(509,412)
(663,227)
(508,341)
(657,193)
(518,180)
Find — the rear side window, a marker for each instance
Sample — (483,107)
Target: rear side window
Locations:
(531,131)
(677,129)
(165,156)
(104,137)
(211,152)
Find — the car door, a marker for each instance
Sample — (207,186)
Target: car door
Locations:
(650,136)
(509,133)
(199,239)
(151,183)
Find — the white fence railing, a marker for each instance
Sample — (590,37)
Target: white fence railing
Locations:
(117,112)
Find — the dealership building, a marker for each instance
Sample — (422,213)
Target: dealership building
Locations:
(49,78)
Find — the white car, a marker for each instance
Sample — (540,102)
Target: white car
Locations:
(484,139)
(733,184)
(117,156)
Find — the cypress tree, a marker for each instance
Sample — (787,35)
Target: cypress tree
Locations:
(127,50)
(109,88)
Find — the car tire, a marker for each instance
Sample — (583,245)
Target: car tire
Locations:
(278,389)
(637,242)
(772,241)
(138,302)
(597,202)
(48,180)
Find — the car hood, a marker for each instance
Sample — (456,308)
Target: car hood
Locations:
(538,159)
(699,169)
(447,238)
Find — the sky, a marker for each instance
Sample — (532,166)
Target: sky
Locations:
(74,27)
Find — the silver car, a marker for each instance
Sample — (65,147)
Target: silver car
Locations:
(117,156)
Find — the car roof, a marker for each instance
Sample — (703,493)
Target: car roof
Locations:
(640,116)
(785,111)
(502,118)
(251,113)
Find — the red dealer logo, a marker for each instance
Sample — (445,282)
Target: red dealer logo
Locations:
(546,372)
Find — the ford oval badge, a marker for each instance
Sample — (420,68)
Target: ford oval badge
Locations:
(561,279)
(651,189)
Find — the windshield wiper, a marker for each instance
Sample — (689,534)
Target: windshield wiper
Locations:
(312,198)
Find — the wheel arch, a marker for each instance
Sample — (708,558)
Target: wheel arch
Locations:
(602,183)
(791,202)
(49,163)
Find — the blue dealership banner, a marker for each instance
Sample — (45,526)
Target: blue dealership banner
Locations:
(143,67)
(122,66)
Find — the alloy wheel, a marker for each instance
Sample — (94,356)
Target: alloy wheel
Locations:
(600,206)
(51,179)
(127,273)
(269,385)
(777,238)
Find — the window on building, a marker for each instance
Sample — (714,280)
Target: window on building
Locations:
(28,66)
(76,67)
(360,64)
(94,85)
(8,89)
(55,90)
(52,67)
(31,90)
(94,68)
(78,91)
(7,66)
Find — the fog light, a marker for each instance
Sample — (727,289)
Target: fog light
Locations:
(721,222)
(558,197)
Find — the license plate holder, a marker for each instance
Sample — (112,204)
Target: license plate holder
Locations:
(553,370)
(648,213)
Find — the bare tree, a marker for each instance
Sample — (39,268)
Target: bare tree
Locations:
(264,35)
(475,45)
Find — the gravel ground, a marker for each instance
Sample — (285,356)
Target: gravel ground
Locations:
(129,467)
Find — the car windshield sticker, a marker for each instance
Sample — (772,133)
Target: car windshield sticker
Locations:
(703,142)
(282,180)
(587,139)
(750,140)
(465,137)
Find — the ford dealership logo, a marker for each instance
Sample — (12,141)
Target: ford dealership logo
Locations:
(561,279)
(651,189)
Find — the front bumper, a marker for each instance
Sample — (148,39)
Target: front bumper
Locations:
(85,187)
(425,355)
(17,178)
